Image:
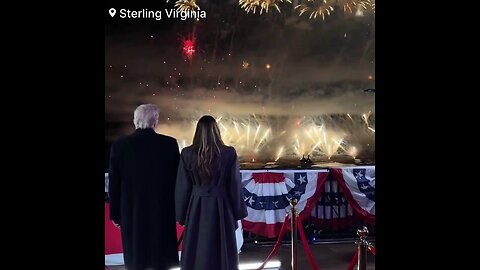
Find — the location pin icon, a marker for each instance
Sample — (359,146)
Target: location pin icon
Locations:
(112,12)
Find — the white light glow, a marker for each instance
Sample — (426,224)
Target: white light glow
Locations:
(252,266)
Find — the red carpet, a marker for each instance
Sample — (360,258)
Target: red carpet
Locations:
(113,238)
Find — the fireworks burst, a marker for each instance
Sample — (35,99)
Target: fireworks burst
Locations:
(186,5)
(262,138)
(188,48)
(316,8)
(279,154)
(321,141)
(249,135)
(324,8)
(252,5)
(351,5)
(370,4)
(365,117)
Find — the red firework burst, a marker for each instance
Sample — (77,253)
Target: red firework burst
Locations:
(188,47)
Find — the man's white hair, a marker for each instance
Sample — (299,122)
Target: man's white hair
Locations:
(146,116)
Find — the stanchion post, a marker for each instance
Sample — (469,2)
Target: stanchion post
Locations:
(293,219)
(362,248)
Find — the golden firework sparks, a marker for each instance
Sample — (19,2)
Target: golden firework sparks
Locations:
(186,5)
(351,5)
(249,5)
(370,4)
(316,8)
(252,5)
(349,116)
(279,154)
(321,8)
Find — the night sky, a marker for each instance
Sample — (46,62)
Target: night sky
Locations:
(277,66)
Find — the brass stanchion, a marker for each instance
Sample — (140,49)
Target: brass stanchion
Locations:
(362,248)
(293,219)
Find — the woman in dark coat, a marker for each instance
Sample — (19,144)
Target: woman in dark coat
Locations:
(209,200)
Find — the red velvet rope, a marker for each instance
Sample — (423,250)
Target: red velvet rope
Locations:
(305,245)
(283,230)
(353,262)
(372,249)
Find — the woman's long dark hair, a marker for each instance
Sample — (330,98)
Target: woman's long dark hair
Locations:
(207,142)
